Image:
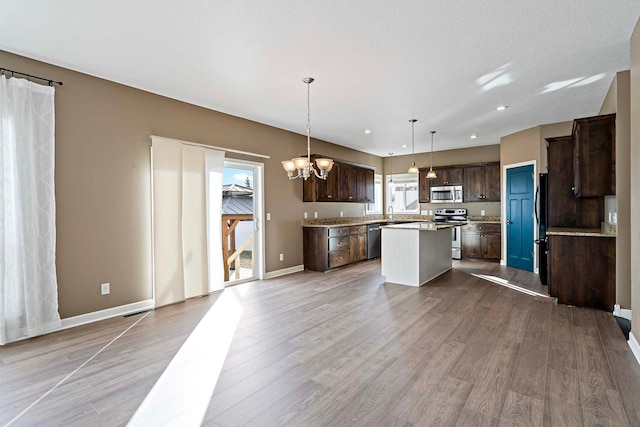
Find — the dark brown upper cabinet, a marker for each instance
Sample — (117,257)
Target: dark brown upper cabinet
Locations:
(566,210)
(424,187)
(594,158)
(346,182)
(482,183)
(448,176)
(365,185)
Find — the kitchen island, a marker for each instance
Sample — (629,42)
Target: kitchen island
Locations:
(415,253)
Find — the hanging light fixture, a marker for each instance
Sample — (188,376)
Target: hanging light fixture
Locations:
(413,168)
(431,174)
(302,167)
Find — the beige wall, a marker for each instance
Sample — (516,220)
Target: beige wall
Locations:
(103,182)
(485,153)
(618,101)
(530,145)
(523,146)
(635,178)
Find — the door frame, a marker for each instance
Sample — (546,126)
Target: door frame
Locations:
(258,216)
(503,211)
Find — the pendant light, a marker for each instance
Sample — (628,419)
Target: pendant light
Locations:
(303,165)
(413,168)
(431,174)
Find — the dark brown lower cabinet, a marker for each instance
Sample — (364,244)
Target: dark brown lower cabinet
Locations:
(582,271)
(358,243)
(481,240)
(325,248)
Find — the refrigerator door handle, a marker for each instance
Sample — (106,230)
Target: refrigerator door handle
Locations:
(535,204)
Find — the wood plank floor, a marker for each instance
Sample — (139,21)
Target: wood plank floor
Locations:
(342,349)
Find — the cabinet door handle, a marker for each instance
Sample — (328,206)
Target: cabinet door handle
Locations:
(329,196)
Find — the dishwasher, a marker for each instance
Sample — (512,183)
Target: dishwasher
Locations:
(373,241)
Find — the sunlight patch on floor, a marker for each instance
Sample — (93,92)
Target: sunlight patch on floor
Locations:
(506,283)
(181,395)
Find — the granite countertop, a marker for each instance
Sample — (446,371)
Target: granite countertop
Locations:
(483,218)
(583,232)
(377,219)
(421,226)
(349,221)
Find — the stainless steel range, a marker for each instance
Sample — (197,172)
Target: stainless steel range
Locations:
(456,216)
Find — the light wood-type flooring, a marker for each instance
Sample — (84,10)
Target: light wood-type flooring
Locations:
(344,349)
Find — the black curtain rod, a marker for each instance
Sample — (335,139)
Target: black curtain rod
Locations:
(51,82)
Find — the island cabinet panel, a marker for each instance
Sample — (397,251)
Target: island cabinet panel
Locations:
(564,209)
(482,183)
(594,157)
(345,183)
(325,248)
(481,240)
(582,271)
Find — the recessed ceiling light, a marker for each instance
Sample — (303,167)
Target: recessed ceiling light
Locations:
(474,136)
(502,107)
(367,131)
(404,145)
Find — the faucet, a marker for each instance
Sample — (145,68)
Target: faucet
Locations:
(390,210)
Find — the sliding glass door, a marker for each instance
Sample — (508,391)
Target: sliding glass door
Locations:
(241,221)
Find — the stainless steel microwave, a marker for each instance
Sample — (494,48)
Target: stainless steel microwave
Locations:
(446,194)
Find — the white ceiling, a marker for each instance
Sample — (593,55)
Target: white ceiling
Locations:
(377,63)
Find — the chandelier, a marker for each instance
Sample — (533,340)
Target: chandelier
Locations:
(302,167)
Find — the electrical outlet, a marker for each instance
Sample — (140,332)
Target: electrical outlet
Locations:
(341,214)
(105,289)
(430,212)
(483,212)
(268,216)
(281,257)
(305,215)
(315,215)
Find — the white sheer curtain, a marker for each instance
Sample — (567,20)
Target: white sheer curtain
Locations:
(28,283)
(187,197)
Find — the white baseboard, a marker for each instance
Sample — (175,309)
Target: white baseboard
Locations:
(284,271)
(108,313)
(621,312)
(503,262)
(635,347)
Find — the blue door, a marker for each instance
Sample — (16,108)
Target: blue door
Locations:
(520,217)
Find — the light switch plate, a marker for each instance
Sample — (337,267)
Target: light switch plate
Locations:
(483,212)
(105,289)
(305,215)
(268,216)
